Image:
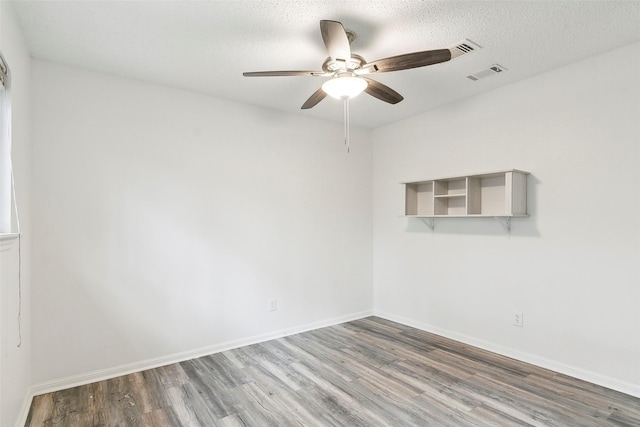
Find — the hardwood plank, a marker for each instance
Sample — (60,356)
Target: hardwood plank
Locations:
(206,386)
(334,367)
(147,391)
(272,404)
(41,410)
(232,421)
(159,417)
(120,403)
(531,407)
(200,410)
(490,416)
(98,404)
(171,375)
(624,420)
(184,413)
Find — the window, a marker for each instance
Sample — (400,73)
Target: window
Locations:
(5,149)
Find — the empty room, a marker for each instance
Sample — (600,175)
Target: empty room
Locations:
(319,213)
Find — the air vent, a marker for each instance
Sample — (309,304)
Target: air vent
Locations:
(464,47)
(492,70)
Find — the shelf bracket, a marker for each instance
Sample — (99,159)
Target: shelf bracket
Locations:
(505,221)
(429,222)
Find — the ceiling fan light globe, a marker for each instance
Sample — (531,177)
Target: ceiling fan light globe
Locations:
(344,87)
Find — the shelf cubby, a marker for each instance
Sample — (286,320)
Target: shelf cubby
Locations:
(419,199)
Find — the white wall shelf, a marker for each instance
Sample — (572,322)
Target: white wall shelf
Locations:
(501,194)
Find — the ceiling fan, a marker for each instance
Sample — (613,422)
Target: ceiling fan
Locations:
(347,69)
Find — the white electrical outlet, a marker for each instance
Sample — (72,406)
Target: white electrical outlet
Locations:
(518,319)
(273,304)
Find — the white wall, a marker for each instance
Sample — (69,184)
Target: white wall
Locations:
(572,267)
(15,369)
(165,220)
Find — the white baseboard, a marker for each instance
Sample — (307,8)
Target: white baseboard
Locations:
(592,377)
(116,371)
(24,410)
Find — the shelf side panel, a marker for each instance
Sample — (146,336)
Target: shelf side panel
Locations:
(508,193)
(519,193)
(474,196)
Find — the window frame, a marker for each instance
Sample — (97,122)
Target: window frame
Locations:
(7,202)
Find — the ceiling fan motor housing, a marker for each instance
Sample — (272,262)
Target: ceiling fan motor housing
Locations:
(335,65)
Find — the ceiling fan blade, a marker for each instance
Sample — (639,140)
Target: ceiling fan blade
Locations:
(336,40)
(382,92)
(316,97)
(407,61)
(282,73)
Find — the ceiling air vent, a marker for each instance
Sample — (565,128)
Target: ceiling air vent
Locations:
(464,47)
(492,70)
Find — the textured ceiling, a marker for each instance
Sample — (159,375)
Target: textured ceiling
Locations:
(204,46)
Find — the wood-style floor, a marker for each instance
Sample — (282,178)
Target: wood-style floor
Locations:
(369,372)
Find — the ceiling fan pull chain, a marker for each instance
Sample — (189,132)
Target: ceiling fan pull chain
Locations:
(346,124)
(344,118)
